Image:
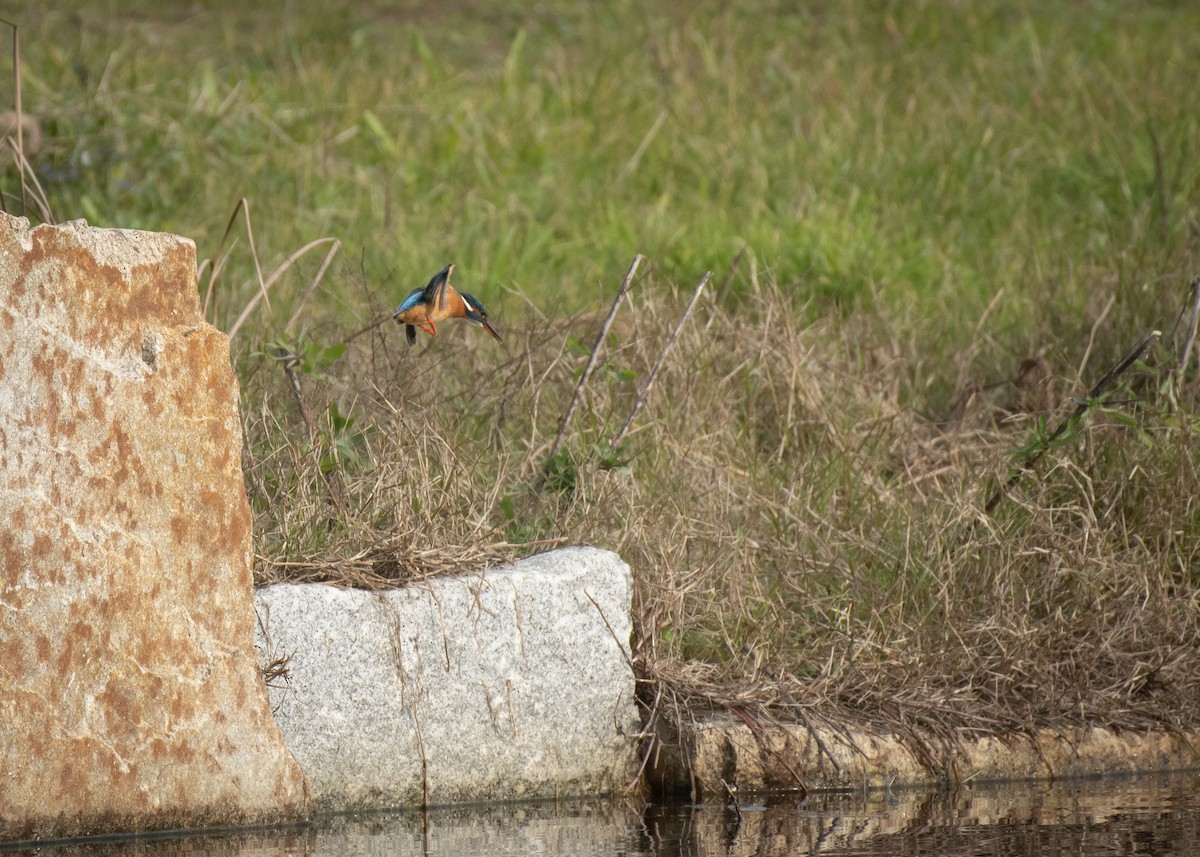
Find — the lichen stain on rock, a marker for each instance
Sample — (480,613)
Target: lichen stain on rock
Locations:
(129,696)
(116,297)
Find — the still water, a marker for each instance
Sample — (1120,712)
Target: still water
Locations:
(1144,816)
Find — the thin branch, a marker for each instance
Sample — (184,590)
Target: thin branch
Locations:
(1098,390)
(372,326)
(591,363)
(733,266)
(759,735)
(662,358)
(1190,339)
(797,710)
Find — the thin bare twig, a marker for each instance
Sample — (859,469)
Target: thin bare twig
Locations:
(760,736)
(1190,338)
(591,364)
(1096,392)
(662,358)
(733,266)
(796,709)
(383,319)
(312,286)
(372,326)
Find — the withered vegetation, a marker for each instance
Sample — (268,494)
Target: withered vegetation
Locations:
(802,501)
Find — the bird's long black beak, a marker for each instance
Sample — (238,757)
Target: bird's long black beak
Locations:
(491,330)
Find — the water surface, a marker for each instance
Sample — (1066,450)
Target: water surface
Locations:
(1157,815)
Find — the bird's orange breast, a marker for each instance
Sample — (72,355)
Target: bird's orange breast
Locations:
(453,307)
(417,315)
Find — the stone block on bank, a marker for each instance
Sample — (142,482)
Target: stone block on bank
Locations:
(510,683)
(718,754)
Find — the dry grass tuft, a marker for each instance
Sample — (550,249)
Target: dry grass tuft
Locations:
(385,565)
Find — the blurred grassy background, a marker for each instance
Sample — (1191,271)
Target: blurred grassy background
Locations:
(915,158)
(948,219)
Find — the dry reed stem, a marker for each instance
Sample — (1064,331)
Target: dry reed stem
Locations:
(280,270)
(242,206)
(17,144)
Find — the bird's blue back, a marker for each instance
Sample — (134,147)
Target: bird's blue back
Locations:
(415,297)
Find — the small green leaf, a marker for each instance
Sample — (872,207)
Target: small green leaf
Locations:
(1120,416)
(336,419)
(331,354)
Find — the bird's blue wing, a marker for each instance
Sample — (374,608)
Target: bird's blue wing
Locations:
(415,297)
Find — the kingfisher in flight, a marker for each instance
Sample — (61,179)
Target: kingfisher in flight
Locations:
(437,301)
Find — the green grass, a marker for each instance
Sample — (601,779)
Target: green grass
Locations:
(920,157)
(925,197)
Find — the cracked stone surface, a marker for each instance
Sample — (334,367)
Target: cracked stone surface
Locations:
(129,692)
(511,683)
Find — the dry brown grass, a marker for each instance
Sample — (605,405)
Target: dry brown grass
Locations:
(805,542)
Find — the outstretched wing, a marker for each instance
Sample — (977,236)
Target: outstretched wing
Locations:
(436,291)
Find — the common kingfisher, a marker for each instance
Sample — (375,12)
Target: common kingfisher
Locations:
(438,301)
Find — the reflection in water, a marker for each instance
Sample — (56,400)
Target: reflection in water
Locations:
(1159,816)
(1150,815)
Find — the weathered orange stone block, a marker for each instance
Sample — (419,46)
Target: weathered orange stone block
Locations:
(130,697)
